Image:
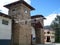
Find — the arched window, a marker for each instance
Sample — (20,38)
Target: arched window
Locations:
(48,32)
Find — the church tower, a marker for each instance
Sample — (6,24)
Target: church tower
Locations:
(21,30)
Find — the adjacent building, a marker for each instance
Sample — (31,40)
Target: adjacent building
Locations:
(49,36)
(5,29)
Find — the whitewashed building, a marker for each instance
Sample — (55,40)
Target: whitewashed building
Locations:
(5,29)
(49,36)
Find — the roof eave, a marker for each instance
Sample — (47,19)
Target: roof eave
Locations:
(8,5)
(5,15)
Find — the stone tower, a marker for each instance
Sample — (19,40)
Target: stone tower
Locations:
(21,31)
(38,26)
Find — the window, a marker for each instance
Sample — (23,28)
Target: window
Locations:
(25,22)
(5,22)
(53,32)
(44,32)
(52,37)
(25,10)
(48,32)
(14,11)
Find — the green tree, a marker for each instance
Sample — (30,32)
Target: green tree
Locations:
(56,26)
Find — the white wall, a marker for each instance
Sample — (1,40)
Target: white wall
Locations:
(5,30)
(33,31)
(52,33)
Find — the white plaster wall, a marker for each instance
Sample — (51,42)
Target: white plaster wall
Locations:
(5,30)
(52,39)
(51,34)
(33,32)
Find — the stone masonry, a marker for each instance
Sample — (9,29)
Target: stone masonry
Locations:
(21,31)
(39,29)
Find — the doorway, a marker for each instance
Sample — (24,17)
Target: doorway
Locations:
(48,39)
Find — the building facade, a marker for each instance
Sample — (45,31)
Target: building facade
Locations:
(21,22)
(5,29)
(49,36)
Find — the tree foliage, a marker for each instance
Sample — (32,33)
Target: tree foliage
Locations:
(56,26)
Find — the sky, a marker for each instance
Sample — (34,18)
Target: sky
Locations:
(48,8)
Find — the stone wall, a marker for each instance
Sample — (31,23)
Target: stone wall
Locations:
(21,32)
